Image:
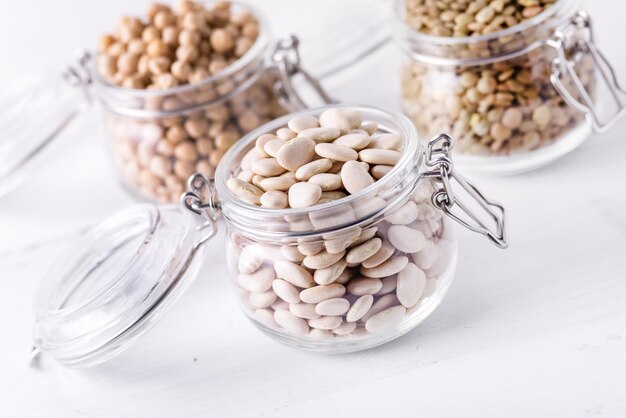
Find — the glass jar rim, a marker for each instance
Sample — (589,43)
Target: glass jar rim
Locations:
(114,283)
(411,155)
(259,47)
(403,31)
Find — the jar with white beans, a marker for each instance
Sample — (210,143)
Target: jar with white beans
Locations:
(338,239)
(335,242)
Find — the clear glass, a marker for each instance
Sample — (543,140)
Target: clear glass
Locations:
(113,284)
(35,110)
(353,243)
(158,138)
(493,92)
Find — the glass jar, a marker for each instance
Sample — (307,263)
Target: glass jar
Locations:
(159,137)
(305,276)
(514,99)
(400,256)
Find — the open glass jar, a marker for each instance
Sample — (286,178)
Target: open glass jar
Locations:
(125,271)
(514,98)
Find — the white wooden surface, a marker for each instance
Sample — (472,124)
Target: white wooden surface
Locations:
(537,330)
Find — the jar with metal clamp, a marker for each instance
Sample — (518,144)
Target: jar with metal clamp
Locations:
(128,269)
(516,84)
(158,137)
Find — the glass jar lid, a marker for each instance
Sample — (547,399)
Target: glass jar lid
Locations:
(35,109)
(115,282)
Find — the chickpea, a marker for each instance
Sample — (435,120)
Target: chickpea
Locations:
(222,41)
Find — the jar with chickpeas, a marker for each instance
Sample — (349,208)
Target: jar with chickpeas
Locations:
(180,86)
(337,239)
(513,81)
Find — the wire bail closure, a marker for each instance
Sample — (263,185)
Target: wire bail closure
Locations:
(439,160)
(571,49)
(201,200)
(286,59)
(79,75)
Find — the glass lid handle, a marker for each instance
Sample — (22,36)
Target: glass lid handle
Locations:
(286,60)
(572,49)
(440,167)
(201,201)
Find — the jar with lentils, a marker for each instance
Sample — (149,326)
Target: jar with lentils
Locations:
(180,86)
(336,240)
(513,81)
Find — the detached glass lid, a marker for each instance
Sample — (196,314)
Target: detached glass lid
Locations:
(115,281)
(35,109)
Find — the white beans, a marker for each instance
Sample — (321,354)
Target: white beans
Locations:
(245,191)
(259,281)
(380,156)
(329,274)
(389,267)
(307,171)
(355,177)
(406,239)
(320,134)
(325,322)
(345,329)
(360,308)
(406,215)
(277,183)
(262,300)
(295,153)
(386,319)
(364,251)
(386,250)
(356,276)
(322,259)
(387,141)
(274,199)
(302,195)
(286,291)
(267,167)
(336,152)
(335,118)
(333,307)
(293,273)
(299,123)
(364,286)
(326,181)
(318,294)
(356,141)
(411,284)
(291,322)
(304,310)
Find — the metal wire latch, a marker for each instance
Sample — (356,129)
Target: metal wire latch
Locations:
(286,59)
(201,200)
(439,161)
(571,48)
(79,75)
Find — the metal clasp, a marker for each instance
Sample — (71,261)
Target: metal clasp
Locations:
(201,200)
(571,49)
(439,160)
(79,75)
(286,59)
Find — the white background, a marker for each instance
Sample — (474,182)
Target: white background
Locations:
(537,330)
